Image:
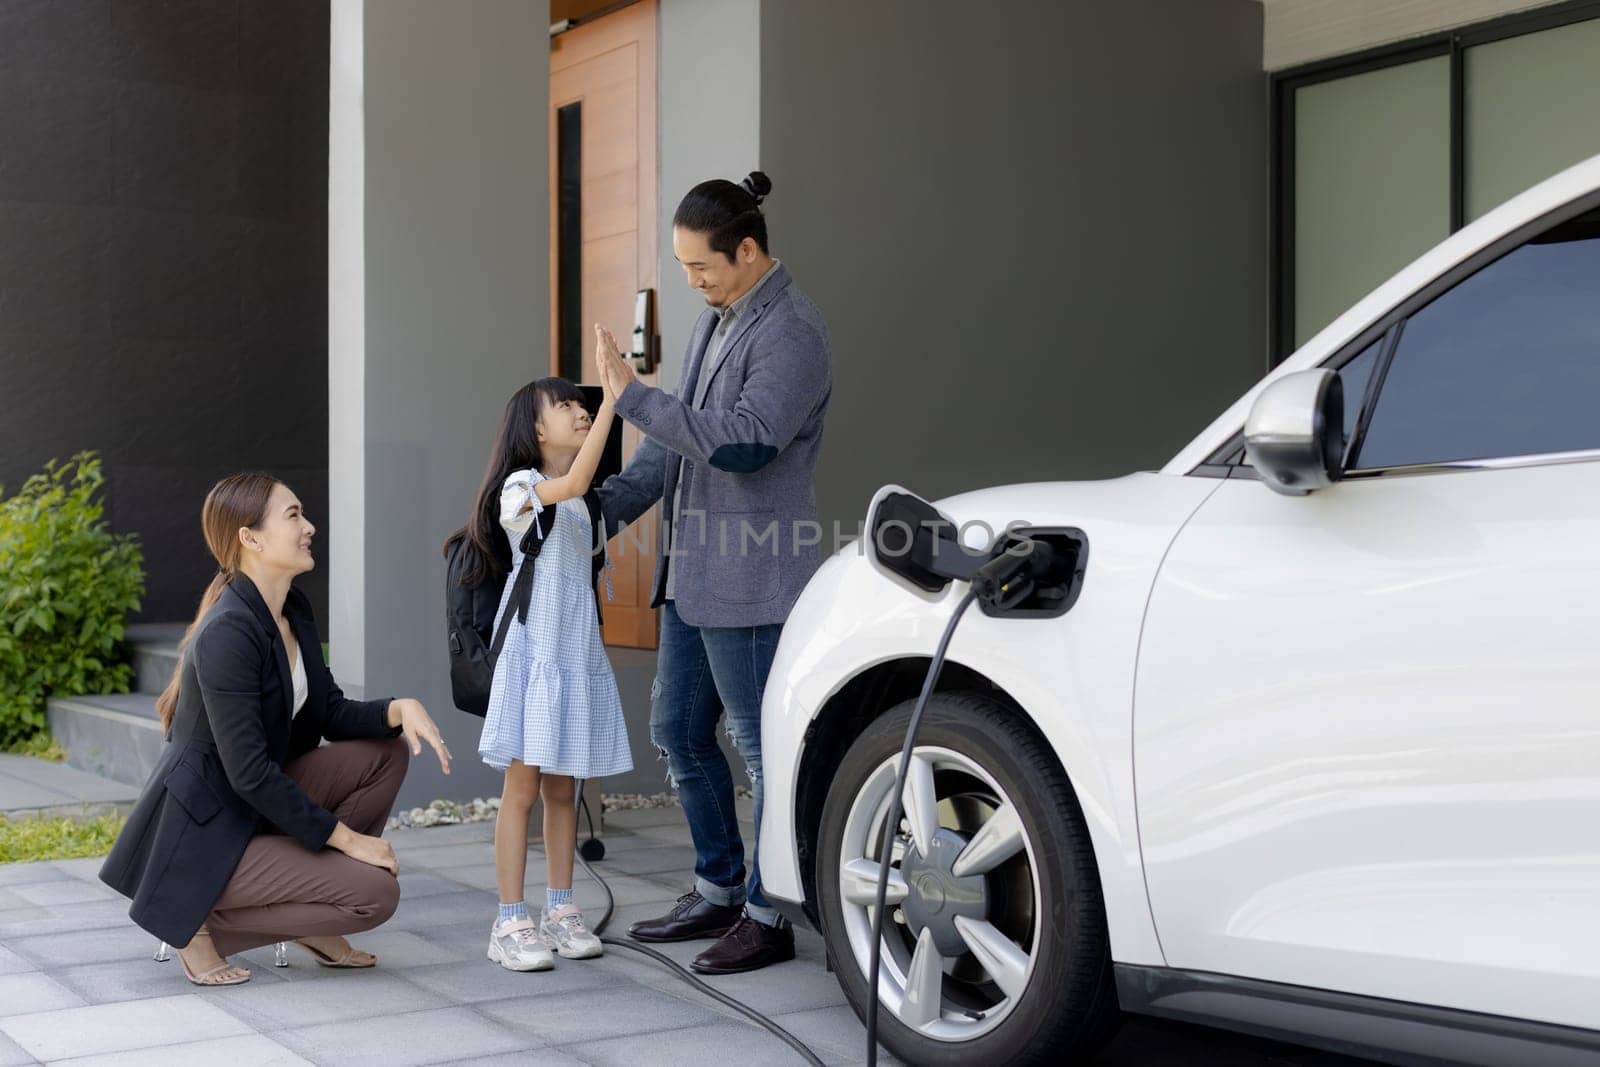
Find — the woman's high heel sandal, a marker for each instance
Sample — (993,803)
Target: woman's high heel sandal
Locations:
(205,978)
(351,958)
(280,954)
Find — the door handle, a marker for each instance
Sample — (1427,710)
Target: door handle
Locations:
(646,339)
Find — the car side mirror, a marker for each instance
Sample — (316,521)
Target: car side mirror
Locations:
(1295,433)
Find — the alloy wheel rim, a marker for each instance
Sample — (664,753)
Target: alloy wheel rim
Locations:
(962,933)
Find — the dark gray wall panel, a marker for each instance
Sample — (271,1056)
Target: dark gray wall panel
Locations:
(56,36)
(1037,229)
(57,131)
(163,257)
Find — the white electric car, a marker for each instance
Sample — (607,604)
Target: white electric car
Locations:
(1299,735)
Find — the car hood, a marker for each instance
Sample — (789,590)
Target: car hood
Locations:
(981,514)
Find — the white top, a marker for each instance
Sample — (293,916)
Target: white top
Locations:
(515,495)
(300,688)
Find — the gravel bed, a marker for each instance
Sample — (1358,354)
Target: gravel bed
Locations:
(453,813)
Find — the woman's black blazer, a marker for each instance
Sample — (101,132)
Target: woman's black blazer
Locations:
(220,778)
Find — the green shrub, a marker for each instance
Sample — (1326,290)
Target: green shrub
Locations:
(67,584)
(39,746)
(33,839)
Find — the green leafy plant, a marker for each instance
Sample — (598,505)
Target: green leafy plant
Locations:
(34,839)
(67,584)
(39,746)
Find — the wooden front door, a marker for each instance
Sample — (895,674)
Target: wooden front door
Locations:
(603,239)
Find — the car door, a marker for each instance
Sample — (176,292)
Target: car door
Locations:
(1367,720)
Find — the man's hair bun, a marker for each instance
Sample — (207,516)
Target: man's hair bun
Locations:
(757,185)
(726,212)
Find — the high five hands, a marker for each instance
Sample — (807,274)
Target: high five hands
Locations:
(615,372)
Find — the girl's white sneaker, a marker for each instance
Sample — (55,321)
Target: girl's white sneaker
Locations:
(517,946)
(565,931)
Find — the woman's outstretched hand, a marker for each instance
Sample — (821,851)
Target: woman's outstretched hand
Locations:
(417,726)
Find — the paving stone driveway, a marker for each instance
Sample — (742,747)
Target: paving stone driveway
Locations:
(78,986)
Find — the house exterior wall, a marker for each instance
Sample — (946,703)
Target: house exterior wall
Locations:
(454,283)
(702,134)
(1303,31)
(163,285)
(1039,240)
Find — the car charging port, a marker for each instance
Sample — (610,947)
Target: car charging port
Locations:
(1043,571)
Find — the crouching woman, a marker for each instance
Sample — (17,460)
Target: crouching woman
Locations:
(248,832)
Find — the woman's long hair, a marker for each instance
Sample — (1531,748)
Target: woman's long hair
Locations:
(237,501)
(516,447)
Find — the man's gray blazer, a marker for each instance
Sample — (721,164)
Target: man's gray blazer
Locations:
(749,537)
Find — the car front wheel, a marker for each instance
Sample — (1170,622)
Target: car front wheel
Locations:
(994,947)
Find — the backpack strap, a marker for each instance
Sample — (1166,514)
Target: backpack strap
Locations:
(522,590)
(511,613)
(597,545)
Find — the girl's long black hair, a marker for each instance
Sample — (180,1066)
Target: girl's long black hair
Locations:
(516,447)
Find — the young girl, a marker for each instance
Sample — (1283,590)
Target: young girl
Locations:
(554,713)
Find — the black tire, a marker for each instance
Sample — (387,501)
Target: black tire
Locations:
(1069,1008)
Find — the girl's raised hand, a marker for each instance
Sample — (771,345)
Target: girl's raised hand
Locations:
(621,370)
(602,359)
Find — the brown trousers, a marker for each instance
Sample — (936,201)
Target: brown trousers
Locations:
(281,891)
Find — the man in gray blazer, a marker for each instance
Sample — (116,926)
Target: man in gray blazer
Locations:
(732,454)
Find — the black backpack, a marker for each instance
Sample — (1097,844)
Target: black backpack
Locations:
(469,612)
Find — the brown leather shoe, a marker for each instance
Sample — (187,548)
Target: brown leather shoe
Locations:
(691,917)
(749,946)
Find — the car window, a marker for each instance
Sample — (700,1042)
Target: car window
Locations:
(1353,376)
(1507,363)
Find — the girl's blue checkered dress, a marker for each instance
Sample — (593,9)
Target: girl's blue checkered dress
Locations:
(554,702)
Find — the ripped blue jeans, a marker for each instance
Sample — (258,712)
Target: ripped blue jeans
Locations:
(700,673)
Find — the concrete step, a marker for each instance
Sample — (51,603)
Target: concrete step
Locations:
(116,737)
(155,654)
(34,787)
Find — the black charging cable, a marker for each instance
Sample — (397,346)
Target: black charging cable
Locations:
(891,825)
(594,848)
(674,966)
(1001,583)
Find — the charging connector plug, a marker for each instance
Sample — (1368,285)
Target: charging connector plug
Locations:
(1010,578)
